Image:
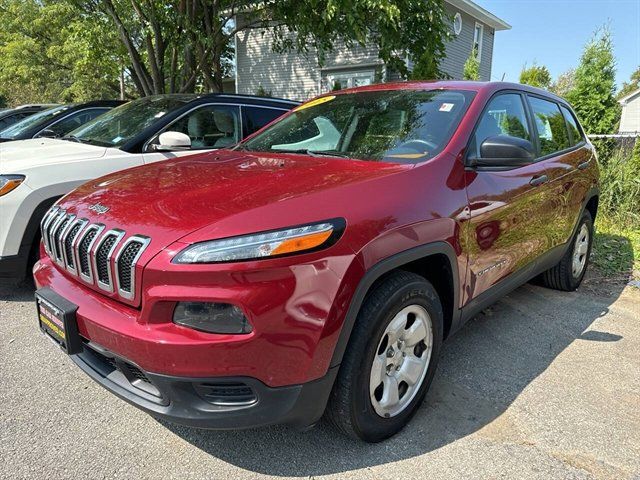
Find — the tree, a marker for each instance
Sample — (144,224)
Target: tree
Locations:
(593,96)
(50,53)
(631,86)
(185,45)
(471,69)
(564,83)
(536,76)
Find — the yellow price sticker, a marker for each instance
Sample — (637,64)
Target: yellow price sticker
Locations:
(52,326)
(313,103)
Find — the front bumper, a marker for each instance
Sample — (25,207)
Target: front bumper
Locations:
(212,403)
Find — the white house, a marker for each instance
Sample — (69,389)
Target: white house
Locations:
(630,119)
(296,76)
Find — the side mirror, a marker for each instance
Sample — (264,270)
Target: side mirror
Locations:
(504,151)
(47,133)
(172,141)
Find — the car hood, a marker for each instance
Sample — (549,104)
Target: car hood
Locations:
(20,154)
(221,193)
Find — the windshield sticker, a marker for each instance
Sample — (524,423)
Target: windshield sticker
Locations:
(315,102)
(446,107)
(407,155)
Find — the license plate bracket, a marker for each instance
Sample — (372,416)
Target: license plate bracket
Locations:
(57,319)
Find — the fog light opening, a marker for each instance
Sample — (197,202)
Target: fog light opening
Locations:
(212,317)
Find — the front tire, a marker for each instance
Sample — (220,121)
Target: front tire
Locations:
(567,275)
(390,360)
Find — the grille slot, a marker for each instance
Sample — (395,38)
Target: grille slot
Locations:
(57,233)
(50,227)
(126,264)
(68,244)
(44,225)
(83,251)
(102,258)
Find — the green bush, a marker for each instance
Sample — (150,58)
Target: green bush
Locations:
(620,183)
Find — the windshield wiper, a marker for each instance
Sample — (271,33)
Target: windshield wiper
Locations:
(313,153)
(73,138)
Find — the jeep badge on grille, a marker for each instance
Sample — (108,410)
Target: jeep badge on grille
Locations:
(99,208)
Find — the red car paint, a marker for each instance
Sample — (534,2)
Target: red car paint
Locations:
(297,304)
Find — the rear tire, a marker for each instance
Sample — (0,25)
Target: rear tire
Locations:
(391,359)
(569,272)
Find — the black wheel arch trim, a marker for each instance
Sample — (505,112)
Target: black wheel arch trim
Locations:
(385,266)
(33,226)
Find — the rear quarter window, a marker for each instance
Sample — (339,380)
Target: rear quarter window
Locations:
(552,128)
(575,133)
(255,118)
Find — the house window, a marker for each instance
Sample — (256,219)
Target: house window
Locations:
(341,80)
(457,23)
(477,40)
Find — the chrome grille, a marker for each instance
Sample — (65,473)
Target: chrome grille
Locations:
(44,226)
(85,250)
(55,236)
(126,262)
(102,259)
(68,243)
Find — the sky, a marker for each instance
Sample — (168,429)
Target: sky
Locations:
(554,32)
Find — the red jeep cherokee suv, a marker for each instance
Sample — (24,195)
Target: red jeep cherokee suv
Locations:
(318,265)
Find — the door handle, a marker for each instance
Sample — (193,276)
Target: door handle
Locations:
(539,180)
(584,165)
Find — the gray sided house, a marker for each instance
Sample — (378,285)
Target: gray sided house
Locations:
(298,76)
(630,118)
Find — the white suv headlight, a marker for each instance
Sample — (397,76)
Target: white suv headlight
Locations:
(267,244)
(9,182)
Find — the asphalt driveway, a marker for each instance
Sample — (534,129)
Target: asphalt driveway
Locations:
(542,385)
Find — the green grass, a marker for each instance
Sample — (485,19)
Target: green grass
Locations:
(616,250)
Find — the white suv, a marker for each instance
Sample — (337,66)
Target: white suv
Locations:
(35,173)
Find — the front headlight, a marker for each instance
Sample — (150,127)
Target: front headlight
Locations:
(9,182)
(267,244)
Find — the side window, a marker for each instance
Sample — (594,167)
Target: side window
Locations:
(255,118)
(75,120)
(574,130)
(505,115)
(552,129)
(210,126)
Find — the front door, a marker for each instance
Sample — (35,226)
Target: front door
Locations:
(508,214)
(208,126)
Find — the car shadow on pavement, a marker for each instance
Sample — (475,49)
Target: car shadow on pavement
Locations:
(11,291)
(483,369)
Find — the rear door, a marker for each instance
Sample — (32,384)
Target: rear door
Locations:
(564,153)
(508,207)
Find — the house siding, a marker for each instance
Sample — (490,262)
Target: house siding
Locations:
(298,76)
(630,119)
(287,75)
(458,49)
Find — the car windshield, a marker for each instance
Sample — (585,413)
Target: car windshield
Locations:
(31,121)
(118,126)
(400,126)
